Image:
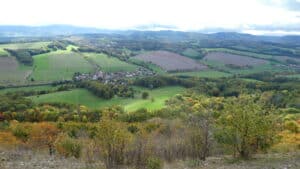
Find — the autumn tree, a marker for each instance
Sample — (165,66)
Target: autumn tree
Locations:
(201,122)
(112,137)
(246,126)
(44,135)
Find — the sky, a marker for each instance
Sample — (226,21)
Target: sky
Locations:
(248,16)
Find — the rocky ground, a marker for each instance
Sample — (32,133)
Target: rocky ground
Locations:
(21,159)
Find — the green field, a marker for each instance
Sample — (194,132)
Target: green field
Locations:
(270,67)
(70,47)
(206,73)
(30,45)
(237,52)
(191,53)
(109,64)
(84,97)
(59,65)
(294,76)
(151,66)
(3,52)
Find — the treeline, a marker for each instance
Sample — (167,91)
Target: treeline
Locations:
(58,45)
(161,81)
(14,103)
(270,77)
(25,55)
(106,91)
(52,112)
(56,87)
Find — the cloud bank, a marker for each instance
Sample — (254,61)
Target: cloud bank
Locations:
(188,15)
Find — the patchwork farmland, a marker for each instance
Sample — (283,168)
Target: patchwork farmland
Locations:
(233,59)
(170,61)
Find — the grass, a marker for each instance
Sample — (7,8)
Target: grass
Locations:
(109,64)
(206,73)
(70,47)
(294,76)
(3,52)
(84,97)
(59,65)
(150,66)
(30,45)
(270,67)
(189,52)
(237,52)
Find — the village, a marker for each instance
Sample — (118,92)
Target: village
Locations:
(113,77)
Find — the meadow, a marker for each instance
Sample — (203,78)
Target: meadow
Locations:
(192,53)
(238,52)
(148,65)
(3,53)
(108,63)
(156,100)
(59,65)
(205,73)
(28,45)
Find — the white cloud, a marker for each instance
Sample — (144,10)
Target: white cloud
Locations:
(185,14)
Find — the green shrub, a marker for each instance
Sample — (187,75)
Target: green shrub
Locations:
(154,163)
(21,132)
(68,147)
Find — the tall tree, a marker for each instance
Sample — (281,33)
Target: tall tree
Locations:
(246,126)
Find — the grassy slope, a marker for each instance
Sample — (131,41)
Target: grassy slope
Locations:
(109,64)
(3,52)
(84,97)
(237,52)
(190,53)
(207,73)
(31,45)
(151,66)
(59,65)
(255,69)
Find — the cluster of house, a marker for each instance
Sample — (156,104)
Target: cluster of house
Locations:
(113,77)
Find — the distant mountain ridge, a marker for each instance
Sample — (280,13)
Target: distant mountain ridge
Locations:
(141,31)
(50,30)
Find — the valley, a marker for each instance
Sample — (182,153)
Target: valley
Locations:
(141,99)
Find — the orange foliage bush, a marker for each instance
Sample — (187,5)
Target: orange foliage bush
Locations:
(44,135)
(8,139)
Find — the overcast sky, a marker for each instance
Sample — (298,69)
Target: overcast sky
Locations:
(250,16)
